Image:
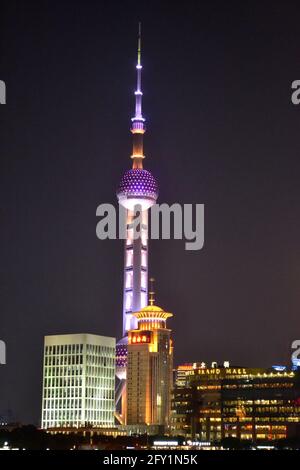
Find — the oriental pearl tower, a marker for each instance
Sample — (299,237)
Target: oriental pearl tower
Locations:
(137,190)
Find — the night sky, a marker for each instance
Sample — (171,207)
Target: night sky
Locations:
(221,130)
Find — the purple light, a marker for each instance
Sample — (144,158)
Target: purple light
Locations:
(138,183)
(121,355)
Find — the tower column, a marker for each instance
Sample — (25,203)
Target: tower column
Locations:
(137,188)
(135,270)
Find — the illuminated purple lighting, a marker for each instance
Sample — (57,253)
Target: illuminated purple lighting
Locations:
(138,183)
(137,125)
(121,358)
(121,355)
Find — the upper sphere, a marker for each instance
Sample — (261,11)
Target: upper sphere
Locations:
(137,186)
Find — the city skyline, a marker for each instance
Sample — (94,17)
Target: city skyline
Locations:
(232,148)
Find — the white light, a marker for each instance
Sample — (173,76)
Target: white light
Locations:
(165,443)
(130,203)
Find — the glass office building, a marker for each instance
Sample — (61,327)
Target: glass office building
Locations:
(78,381)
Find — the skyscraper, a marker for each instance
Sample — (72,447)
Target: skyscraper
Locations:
(137,191)
(78,381)
(149,369)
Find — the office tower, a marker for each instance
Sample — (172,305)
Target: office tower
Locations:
(78,381)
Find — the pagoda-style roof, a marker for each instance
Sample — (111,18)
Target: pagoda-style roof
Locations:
(152,312)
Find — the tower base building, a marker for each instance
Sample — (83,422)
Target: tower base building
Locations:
(149,369)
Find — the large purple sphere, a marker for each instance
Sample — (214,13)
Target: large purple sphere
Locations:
(137,183)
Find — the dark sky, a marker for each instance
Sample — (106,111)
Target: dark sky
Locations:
(221,131)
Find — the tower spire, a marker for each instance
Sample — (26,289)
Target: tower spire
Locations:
(138,122)
(139,44)
(152,292)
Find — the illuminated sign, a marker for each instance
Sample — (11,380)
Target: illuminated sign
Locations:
(140,337)
(217,371)
(222,372)
(202,365)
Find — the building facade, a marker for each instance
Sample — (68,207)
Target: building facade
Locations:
(149,370)
(78,381)
(211,404)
